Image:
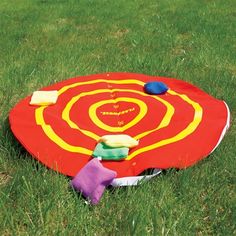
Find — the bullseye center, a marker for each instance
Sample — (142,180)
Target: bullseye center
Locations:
(117,115)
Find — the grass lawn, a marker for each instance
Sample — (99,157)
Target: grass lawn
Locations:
(44,41)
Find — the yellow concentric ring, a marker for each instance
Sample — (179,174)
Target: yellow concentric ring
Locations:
(66,112)
(198,112)
(102,125)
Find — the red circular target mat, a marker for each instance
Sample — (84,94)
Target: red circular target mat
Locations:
(175,129)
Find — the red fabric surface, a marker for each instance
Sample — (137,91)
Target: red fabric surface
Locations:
(179,154)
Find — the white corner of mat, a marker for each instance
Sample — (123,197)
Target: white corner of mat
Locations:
(227,125)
